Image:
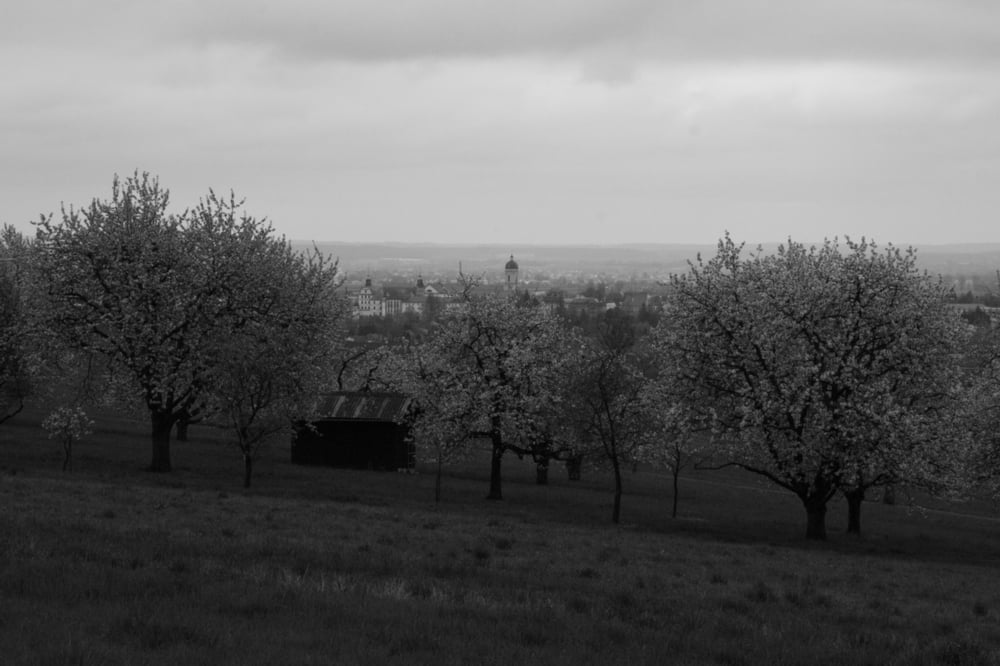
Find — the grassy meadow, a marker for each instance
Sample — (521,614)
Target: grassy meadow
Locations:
(109,564)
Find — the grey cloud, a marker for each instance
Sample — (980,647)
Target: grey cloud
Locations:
(847,29)
(645,29)
(428,29)
(621,30)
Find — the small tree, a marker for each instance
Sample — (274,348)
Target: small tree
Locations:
(507,356)
(444,414)
(68,425)
(672,441)
(607,396)
(484,371)
(283,326)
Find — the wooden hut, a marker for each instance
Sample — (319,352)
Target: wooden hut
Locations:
(358,430)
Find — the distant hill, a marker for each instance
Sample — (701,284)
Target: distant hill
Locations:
(655,259)
(567,259)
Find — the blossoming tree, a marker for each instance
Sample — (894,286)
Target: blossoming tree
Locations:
(824,369)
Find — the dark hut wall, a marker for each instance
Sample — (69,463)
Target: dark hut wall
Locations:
(356,444)
(359,430)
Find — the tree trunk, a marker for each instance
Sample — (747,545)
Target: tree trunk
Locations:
(162,425)
(437,481)
(889,495)
(247,469)
(854,500)
(573,466)
(616,511)
(815,517)
(495,492)
(68,451)
(182,428)
(542,472)
(676,473)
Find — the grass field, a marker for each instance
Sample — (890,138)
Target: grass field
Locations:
(109,564)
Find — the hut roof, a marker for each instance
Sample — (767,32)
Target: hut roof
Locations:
(364,406)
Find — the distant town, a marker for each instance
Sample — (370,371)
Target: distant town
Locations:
(392,279)
(390,294)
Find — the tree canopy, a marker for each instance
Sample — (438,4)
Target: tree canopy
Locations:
(489,369)
(162,295)
(822,368)
(19,339)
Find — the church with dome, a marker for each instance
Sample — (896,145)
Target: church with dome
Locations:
(511,273)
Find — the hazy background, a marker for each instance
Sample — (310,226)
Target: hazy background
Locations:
(517,122)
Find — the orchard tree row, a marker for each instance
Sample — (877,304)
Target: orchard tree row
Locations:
(827,369)
(837,368)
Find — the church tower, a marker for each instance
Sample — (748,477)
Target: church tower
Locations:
(366,300)
(511,271)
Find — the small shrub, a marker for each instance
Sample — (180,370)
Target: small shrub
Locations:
(148,634)
(760,593)
(413,643)
(946,628)
(420,589)
(606,554)
(624,606)
(961,652)
(736,606)
(534,637)
(68,424)
(133,563)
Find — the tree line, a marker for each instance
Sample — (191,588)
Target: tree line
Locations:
(826,369)
(836,368)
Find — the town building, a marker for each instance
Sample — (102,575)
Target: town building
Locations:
(394,300)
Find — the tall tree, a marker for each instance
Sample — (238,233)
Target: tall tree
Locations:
(819,368)
(19,339)
(149,290)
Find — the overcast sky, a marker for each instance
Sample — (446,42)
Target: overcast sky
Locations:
(517,121)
